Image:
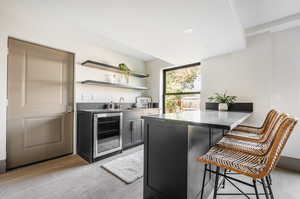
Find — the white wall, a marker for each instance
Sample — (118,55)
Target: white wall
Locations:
(84,50)
(256,12)
(266,73)
(154,82)
(246,74)
(286,80)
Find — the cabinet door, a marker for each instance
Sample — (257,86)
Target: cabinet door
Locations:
(128,127)
(138,131)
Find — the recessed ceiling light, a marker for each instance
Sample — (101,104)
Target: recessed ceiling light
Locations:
(188,31)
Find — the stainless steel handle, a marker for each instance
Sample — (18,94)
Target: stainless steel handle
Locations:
(143,125)
(107,114)
(131,125)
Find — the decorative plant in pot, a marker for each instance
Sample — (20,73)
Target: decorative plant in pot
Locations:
(223,99)
(125,71)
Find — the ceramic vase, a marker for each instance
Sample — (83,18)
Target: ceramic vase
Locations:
(223,107)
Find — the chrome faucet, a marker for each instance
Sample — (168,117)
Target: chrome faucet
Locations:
(120,101)
(111,105)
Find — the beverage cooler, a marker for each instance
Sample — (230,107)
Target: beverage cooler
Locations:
(107,133)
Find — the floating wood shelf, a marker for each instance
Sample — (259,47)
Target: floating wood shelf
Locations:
(100,83)
(108,67)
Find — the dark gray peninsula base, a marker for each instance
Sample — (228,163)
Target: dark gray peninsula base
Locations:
(172,144)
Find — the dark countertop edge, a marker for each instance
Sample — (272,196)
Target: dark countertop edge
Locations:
(186,122)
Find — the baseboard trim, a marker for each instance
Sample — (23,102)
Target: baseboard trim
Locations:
(2,166)
(289,163)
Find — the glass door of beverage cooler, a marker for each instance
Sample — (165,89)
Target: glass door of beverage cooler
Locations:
(107,133)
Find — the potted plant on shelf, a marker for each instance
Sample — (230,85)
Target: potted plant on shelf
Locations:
(125,71)
(223,99)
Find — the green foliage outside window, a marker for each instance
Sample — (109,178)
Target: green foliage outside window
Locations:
(181,81)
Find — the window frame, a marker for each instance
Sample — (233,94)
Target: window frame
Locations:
(165,86)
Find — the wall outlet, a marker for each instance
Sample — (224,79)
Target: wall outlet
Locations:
(85,97)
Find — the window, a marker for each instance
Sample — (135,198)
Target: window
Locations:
(181,89)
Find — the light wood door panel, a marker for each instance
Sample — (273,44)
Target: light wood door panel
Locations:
(40,92)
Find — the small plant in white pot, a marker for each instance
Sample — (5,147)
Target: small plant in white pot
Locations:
(223,99)
(125,70)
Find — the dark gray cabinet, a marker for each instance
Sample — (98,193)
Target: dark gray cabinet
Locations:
(132,132)
(138,131)
(127,133)
(133,126)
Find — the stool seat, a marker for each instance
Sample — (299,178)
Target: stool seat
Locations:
(250,165)
(249,129)
(244,134)
(254,148)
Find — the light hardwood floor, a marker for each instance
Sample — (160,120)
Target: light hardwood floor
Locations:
(71,177)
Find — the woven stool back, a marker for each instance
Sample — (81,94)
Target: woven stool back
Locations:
(272,128)
(283,133)
(270,136)
(269,119)
(272,114)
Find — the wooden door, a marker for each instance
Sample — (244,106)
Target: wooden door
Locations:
(40,103)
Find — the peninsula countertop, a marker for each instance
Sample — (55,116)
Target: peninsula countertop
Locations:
(214,119)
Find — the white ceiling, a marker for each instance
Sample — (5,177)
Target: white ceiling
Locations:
(141,28)
(27,19)
(256,12)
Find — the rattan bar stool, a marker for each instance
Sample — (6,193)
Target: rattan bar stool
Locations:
(257,130)
(253,147)
(250,147)
(257,167)
(254,137)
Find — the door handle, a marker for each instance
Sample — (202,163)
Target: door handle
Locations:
(131,125)
(69,109)
(143,124)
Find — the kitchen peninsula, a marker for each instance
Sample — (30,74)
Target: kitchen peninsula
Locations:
(172,143)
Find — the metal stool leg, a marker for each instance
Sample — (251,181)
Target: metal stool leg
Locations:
(203,183)
(216,182)
(224,181)
(270,188)
(265,188)
(255,188)
(210,145)
(270,179)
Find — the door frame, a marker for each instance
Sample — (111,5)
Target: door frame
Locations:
(73,90)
